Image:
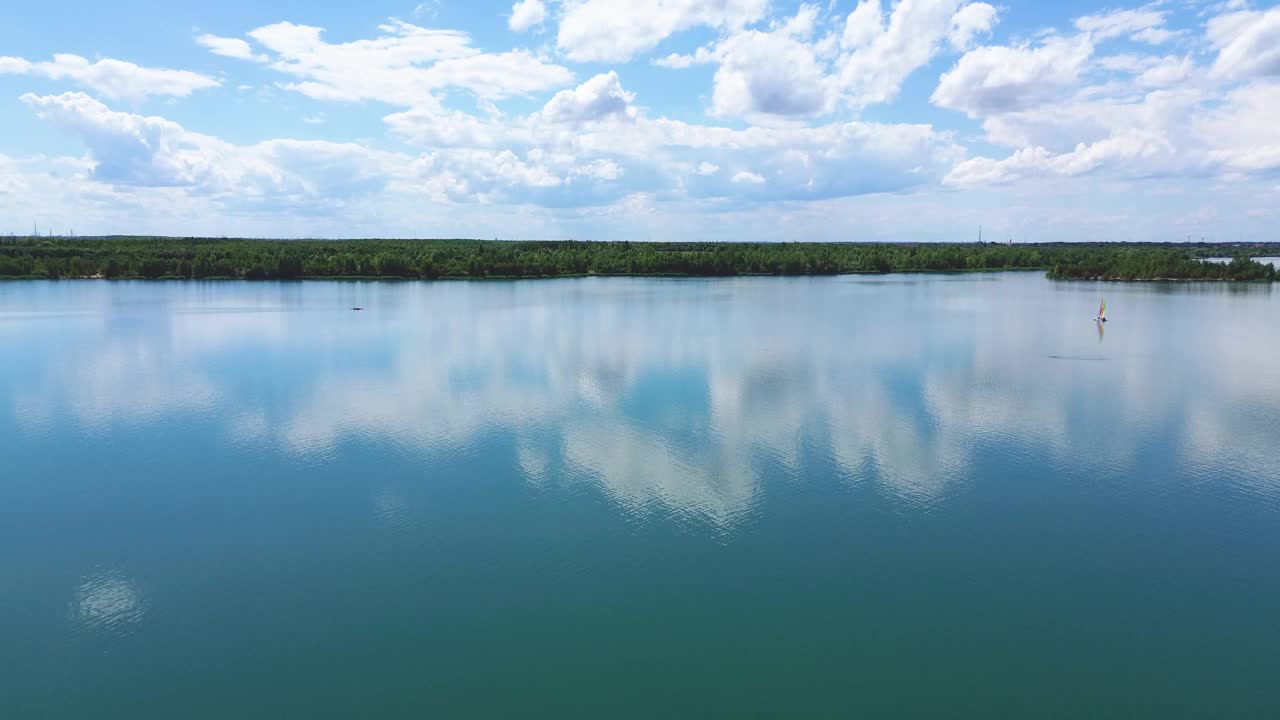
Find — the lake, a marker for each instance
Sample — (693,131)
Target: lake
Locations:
(902,495)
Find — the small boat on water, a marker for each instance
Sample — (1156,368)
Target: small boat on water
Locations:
(357,308)
(1102,312)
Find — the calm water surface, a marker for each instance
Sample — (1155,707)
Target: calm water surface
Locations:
(905,495)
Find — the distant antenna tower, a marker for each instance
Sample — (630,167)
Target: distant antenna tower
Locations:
(979,233)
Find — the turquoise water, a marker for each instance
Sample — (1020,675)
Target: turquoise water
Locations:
(906,495)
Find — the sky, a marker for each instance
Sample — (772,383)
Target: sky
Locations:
(762,120)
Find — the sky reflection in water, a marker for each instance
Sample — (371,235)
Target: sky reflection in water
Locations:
(203,439)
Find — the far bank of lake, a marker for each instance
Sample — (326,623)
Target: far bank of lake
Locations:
(207,258)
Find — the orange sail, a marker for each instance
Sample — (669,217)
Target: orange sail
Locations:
(1102,310)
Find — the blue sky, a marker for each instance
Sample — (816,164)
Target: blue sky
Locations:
(668,119)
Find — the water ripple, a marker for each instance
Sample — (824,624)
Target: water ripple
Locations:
(108,601)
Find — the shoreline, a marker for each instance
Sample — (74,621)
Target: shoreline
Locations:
(671,276)
(140,258)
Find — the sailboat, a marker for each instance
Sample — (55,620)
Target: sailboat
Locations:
(1102,312)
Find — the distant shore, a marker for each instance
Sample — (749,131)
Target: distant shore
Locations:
(153,258)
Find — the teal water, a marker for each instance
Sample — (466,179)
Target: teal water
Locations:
(909,495)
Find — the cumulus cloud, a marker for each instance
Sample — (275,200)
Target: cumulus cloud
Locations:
(126,148)
(526,14)
(600,98)
(14,66)
(1248,44)
(1242,130)
(1051,107)
(616,30)
(1145,24)
(702,56)
(434,128)
(1001,78)
(675,61)
(147,151)
(229,47)
(599,121)
(1166,72)
(1166,133)
(114,79)
(834,160)
(1153,116)
(11,180)
(771,74)
(880,52)
(969,22)
(1085,158)
(804,66)
(406,65)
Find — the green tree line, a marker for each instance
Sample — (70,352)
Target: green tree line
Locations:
(148,257)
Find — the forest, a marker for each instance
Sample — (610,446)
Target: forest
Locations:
(249,259)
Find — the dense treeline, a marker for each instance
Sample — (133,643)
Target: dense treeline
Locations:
(1151,264)
(139,257)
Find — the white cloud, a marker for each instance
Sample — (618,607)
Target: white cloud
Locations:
(863,25)
(1248,44)
(600,170)
(1163,117)
(129,149)
(1124,62)
(1180,133)
(879,53)
(970,21)
(14,66)
(1242,131)
(569,149)
(115,79)
(600,98)
(526,14)
(598,121)
(769,74)
(1001,79)
(675,61)
(1156,35)
(404,66)
(1145,23)
(427,10)
(11,179)
(1132,146)
(1166,72)
(147,151)
(616,30)
(229,47)
(784,72)
(434,128)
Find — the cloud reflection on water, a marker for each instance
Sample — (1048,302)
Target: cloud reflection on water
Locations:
(675,395)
